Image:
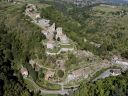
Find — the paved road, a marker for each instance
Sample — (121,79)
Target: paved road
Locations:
(45,91)
(105,74)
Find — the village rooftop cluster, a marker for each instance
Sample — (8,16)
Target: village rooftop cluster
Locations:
(57,41)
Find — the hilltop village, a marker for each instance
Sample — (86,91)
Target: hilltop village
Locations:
(57,43)
(52,50)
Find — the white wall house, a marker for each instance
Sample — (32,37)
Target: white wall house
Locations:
(24,72)
(115,72)
(38,15)
(50,45)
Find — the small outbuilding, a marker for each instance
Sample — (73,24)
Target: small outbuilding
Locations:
(50,44)
(24,72)
(115,72)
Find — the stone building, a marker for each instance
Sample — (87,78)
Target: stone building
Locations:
(50,44)
(51,29)
(50,32)
(64,39)
(59,32)
(31,7)
(49,75)
(31,10)
(44,22)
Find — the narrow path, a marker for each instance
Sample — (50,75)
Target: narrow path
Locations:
(45,91)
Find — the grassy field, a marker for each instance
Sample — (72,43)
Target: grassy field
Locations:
(46,85)
(106,8)
(29,84)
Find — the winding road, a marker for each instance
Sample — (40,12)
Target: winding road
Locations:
(105,74)
(45,91)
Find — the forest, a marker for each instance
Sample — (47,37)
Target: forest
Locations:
(10,85)
(20,41)
(111,86)
(16,46)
